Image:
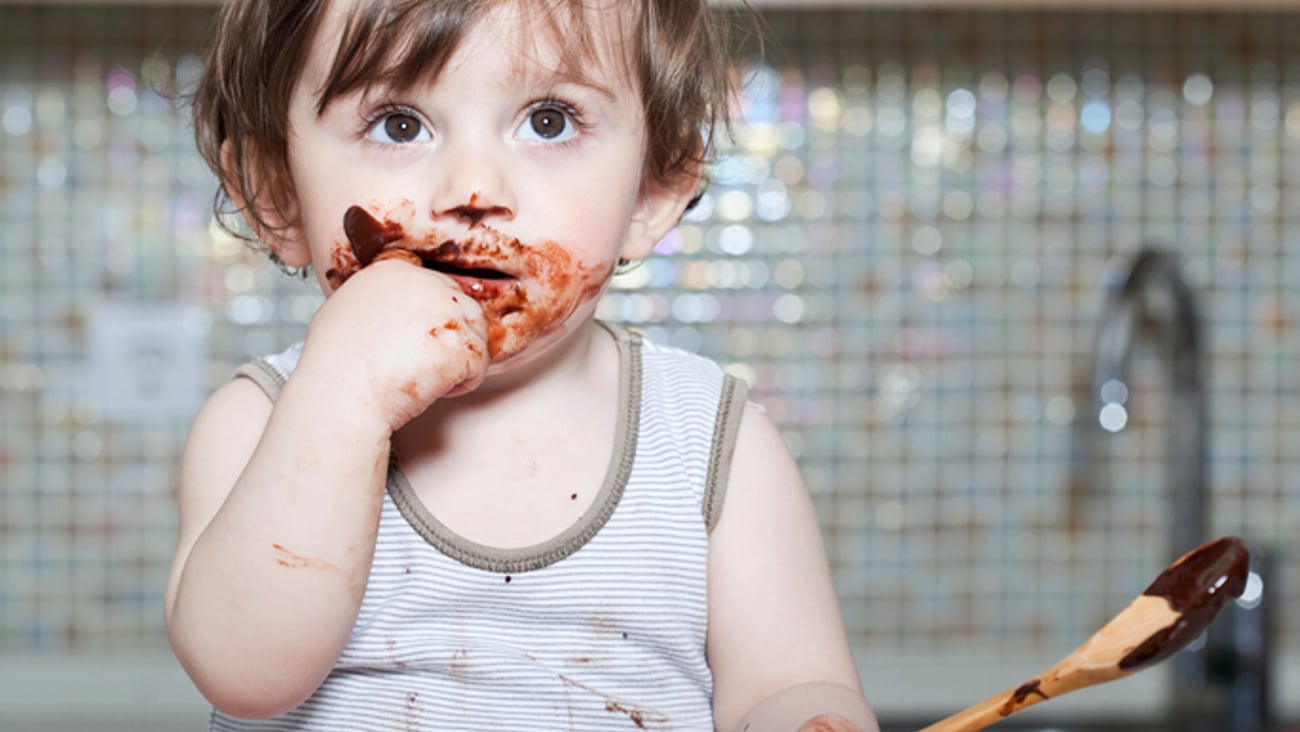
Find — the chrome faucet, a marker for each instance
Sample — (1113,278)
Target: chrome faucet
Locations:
(1220,684)
(1156,300)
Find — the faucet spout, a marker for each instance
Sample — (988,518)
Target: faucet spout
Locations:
(1155,304)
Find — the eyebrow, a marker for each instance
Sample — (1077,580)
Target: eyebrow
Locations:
(562,77)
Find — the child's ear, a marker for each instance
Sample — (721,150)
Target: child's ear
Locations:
(276,223)
(659,209)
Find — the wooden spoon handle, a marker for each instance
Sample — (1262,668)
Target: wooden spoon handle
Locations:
(992,710)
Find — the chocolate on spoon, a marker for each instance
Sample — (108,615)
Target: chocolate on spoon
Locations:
(368,236)
(1178,606)
(1197,587)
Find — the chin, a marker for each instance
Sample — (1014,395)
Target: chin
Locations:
(521,351)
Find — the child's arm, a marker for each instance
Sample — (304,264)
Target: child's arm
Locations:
(279,504)
(776,643)
(273,545)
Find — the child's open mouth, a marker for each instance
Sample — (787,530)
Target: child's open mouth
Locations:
(476,281)
(372,240)
(452,270)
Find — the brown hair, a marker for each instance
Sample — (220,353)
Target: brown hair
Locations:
(676,55)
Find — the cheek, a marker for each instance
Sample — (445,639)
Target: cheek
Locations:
(560,287)
(591,218)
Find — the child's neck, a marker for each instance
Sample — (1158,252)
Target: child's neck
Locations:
(565,372)
(536,449)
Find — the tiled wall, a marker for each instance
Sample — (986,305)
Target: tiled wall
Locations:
(905,251)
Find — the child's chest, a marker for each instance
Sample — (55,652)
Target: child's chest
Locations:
(517,490)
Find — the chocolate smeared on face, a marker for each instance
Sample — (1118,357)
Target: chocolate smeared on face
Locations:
(367,235)
(517,314)
(1196,587)
(526,291)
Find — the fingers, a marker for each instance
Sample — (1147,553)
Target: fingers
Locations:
(399,254)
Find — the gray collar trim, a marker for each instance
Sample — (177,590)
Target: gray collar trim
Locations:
(536,556)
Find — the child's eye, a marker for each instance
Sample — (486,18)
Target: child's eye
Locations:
(548,124)
(398,128)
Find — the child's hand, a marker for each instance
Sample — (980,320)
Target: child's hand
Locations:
(396,337)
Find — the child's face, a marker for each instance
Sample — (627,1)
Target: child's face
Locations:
(523,184)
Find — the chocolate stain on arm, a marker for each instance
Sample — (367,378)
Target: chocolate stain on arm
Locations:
(828,723)
(286,558)
(449,325)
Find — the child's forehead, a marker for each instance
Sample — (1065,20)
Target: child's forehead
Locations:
(400,43)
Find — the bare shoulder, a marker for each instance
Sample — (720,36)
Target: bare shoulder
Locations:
(760,448)
(225,430)
(774,619)
(765,491)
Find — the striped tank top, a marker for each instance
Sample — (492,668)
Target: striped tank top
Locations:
(600,628)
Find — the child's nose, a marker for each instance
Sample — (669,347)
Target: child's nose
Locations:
(472,188)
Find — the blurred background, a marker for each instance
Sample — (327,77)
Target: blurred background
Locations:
(1020,285)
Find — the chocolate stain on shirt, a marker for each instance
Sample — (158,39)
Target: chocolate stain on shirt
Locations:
(412,711)
(640,717)
(459,664)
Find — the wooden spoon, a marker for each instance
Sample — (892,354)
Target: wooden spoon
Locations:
(367,236)
(1168,615)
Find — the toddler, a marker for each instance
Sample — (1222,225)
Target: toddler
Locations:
(462,502)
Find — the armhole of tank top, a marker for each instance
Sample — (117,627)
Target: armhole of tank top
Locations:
(263,375)
(731,408)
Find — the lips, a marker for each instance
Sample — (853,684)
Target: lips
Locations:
(478,279)
(480,284)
